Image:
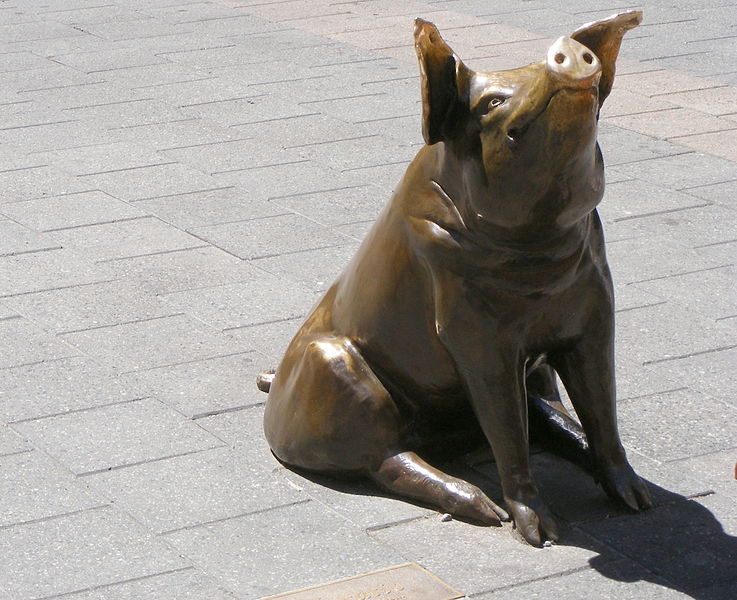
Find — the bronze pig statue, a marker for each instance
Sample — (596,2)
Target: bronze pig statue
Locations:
(483,276)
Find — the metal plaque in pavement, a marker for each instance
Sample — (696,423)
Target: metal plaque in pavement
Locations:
(403,582)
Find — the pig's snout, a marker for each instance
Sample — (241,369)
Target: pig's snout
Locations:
(573,63)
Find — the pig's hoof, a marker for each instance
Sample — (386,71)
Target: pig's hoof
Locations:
(468,501)
(533,520)
(624,485)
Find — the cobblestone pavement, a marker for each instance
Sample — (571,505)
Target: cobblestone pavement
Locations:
(179,183)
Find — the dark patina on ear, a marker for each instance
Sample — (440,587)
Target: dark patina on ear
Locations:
(604,38)
(444,82)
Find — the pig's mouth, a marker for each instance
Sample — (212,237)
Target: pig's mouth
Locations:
(519,128)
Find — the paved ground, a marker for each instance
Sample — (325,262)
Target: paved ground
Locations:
(181,180)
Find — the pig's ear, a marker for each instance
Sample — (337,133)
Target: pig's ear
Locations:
(604,38)
(444,80)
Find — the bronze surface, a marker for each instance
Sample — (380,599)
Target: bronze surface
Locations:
(484,276)
(404,582)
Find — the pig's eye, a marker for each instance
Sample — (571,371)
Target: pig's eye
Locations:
(496,101)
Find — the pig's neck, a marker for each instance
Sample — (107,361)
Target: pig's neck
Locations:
(463,180)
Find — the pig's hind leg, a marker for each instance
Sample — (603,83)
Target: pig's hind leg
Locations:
(327,412)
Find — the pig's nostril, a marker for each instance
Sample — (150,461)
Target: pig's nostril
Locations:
(560,58)
(588,58)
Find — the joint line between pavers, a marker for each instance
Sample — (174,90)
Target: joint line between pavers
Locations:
(216,189)
(338,189)
(413,115)
(152,124)
(23,168)
(83,225)
(163,164)
(190,50)
(372,94)
(54,517)
(315,114)
(631,308)
(348,139)
(662,212)
(388,164)
(220,101)
(678,138)
(348,240)
(115,583)
(122,323)
(107,260)
(54,289)
(223,411)
(61,87)
(37,251)
(38,125)
(187,362)
(535,580)
(247,514)
(152,460)
(313,17)
(690,355)
(290,80)
(17,452)
(79,410)
(671,391)
(153,85)
(108,104)
(697,89)
(284,320)
(716,244)
(681,274)
(706,185)
(280,164)
(374,528)
(639,160)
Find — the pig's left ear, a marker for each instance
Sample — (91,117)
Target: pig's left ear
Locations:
(444,81)
(604,38)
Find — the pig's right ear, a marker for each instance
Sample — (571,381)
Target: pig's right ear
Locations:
(444,81)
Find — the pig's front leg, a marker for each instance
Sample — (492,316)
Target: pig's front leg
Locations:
(493,374)
(587,371)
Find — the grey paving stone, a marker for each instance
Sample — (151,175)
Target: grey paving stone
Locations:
(221,484)
(183,270)
(623,579)
(103,545)
(682,171)
(119,435)
(265,553)
(627,200)
(53,136)
(477,559)
(113,156)
(128,114)
(202,387)
(28,343)
(95,305)
(262,299)
(232,155)
(256,107)
(70,210)
(343,154)
(664,331)
(197,209)
(711,293)
(11,442)
(144,27)
(216,56)
(34,487)
(719,193)
(52,77)
(85,94)
(150,182)
(60,386)
(711,373)
(109,60)
(270,236)
(123,239)
(174,134)
(693,227)
(48,270)
(715,469)
(359,502)
(655,540)
(337,206)
(38,182)
(17,239)
(184,584)
(270,340)
(94,14)
(644,258)
(197,91)
(22,61)
(313,269)
(191,12)
(307,129)
(35,30)
(152,343)
(643,427)
(622,147)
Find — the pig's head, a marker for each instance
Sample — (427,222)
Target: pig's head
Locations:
(519,146)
